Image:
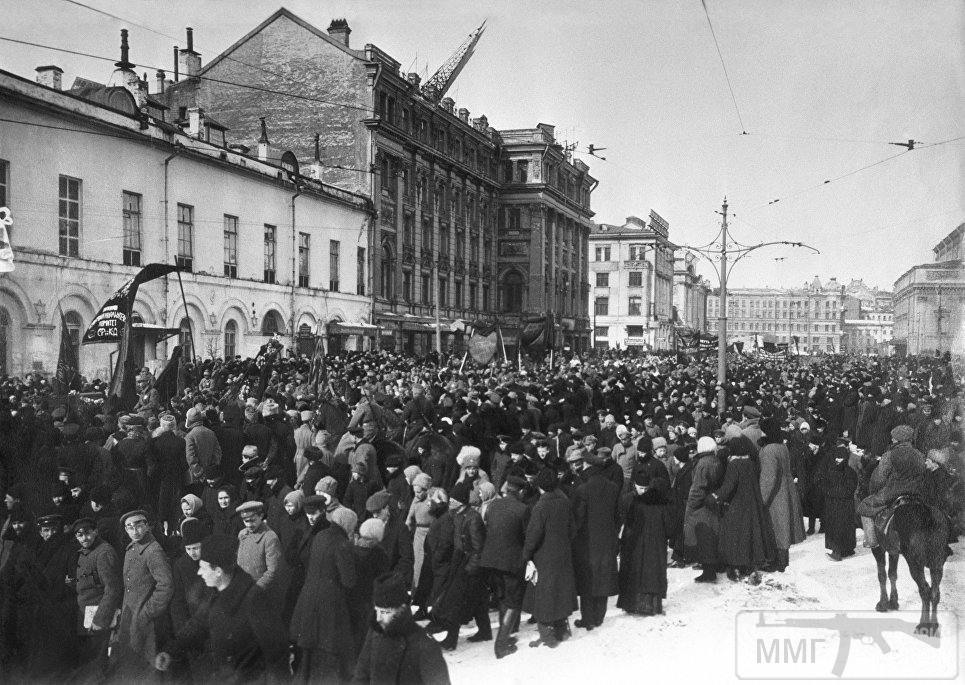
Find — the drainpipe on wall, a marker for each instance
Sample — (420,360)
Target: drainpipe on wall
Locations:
(294,284)
(167,240)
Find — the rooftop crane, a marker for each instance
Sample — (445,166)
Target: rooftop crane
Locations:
(436,86)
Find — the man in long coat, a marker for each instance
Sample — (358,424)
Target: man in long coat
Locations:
(701,522)
(548,546)
(148,588)
(596,514)
(780,499)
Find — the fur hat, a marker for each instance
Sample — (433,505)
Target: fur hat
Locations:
(546,480)
(327,485)
(460,492)
(192,531)
(389,591)
(659,442)
(423,480)
(903,433)
(468,456)
(344,518)
(372,529)
(706,445)
(220,551)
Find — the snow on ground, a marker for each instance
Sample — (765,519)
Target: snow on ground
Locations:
(695,638)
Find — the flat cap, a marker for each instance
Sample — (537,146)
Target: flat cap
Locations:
(378,501)
(251,506)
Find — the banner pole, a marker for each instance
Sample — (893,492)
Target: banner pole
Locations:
(186,314)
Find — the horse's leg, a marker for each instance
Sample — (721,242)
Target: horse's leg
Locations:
(893,577)
(917,570)
(936,594)
(879,555)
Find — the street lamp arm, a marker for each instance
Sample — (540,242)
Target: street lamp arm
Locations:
(702,253)
(741,253)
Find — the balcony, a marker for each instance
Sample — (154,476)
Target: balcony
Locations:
(408,254)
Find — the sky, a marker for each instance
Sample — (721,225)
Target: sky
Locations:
(821,88)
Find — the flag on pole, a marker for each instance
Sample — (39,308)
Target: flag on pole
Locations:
(318,372)
(167,381)
(6,249)
(67,376)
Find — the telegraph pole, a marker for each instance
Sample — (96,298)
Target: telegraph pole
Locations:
(722,321)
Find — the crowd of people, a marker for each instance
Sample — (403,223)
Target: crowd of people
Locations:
(275,521)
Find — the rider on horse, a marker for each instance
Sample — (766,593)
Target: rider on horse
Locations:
(901,471)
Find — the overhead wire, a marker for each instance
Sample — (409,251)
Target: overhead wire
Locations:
(724,66)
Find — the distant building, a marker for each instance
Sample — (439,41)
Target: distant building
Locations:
(810,314)
(868,322)
(928,301)
(632,280)
(101,182)
(690,292)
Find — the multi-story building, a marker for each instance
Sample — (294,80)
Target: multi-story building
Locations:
(101,182)
(811,315)
(434,174)
(867,326)
(690,292)
(928,301)
(544,227)
(632,275)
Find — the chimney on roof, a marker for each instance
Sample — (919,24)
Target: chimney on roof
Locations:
(447,104)
(124,62)
(263,144)
(50,76)
(340,31)
(177,75)
(316,169)
(464,114)
(196,127)
(125,77)
(189,61)
(159,81)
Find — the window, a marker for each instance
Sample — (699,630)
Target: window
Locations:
(634,331)
(388,180)
(635,306)
(474,250)
(304,259)
(270,249)
(508,172)
(333,248)
(272,323)
(485,298)
(426,236)
(472,296)
(387,272)
(185,256)
(426,289)
(4,182)
(513,292)
(75,326)
(132,228)
(601,306)
(515,219)
(460,244)
(360,271)
(69,207)
(603,254)
(408,230)
(602,279)
(457,300)
(522,169)
(230,246)
(636,279)
(637,252)
(407,286)
(601,332)
(443,292)
(444,241)
(230,339)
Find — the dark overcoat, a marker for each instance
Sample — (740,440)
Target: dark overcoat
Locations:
(321,619)
(401,654)
(745,536)
(506,520)
(838,520)
(596,513)
(548,545)
(643,546)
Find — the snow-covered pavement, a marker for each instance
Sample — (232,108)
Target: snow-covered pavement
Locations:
(696,641)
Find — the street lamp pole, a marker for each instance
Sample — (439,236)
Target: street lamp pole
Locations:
(722,321)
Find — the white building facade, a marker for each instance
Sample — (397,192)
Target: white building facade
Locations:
(631,283)
(99,186)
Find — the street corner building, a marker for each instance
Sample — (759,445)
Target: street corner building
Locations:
(103,178)
(473,223)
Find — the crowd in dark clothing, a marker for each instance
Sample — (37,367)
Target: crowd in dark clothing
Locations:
(275,521)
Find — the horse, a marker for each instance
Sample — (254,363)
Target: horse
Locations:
(919,533)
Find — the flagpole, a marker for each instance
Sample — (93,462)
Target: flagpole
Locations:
(186,314)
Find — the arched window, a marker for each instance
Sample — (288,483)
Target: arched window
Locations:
(272,323)
(185,336)
(306,340)
(4,340)
(387,272)
(74,327)
(230,339)
(512,292)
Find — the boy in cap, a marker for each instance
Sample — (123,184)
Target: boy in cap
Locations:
(394,632)
(99,591)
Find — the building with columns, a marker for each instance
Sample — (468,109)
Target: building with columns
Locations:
(632,276)
(929,299)
(101,180)
(435,175)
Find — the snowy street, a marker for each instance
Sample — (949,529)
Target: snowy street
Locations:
(695,640)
